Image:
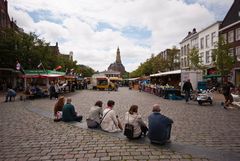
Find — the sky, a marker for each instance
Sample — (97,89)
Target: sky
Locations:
(94,29)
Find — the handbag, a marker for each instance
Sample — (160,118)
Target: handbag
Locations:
(128,130)
(92,124)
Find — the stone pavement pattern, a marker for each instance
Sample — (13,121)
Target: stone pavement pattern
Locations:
(204,126)
(25,135)
(198,126)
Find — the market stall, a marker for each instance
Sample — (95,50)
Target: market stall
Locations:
(170,83)
(42,78)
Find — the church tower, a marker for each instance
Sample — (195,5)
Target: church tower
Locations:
(118,57)
(117,65)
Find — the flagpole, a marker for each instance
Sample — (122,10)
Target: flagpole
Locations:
(43,67)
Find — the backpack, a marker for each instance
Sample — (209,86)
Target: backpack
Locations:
(128,130)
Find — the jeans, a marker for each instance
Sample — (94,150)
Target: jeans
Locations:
(187,95)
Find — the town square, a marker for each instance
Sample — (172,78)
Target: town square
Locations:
(120,80)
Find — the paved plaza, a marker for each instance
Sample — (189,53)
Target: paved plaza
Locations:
(199,133)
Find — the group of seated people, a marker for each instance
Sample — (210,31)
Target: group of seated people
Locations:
(158,130)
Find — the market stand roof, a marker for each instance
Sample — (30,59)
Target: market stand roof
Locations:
(166,73)
(42,74)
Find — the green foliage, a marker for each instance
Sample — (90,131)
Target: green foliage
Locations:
(223,61)
(85,70)
(172,56)
(30,50)
(157,64)
(195,59)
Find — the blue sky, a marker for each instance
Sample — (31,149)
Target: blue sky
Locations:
(93,32)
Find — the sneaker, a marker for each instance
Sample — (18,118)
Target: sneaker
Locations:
(225,107)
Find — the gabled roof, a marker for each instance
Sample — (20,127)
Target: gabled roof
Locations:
(233,14)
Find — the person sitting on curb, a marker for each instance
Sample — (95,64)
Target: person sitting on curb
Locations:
(68,112)
(58,109)
(159,126)
(110,121)
(10,94)
(132,117)
(95,114)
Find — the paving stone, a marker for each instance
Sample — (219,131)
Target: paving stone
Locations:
(29,134)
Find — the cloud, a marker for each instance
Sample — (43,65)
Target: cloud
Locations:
(94,29)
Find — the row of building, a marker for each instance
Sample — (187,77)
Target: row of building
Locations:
(8,75)
(206,39)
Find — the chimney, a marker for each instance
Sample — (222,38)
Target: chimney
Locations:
(194,30)
(6,5)
(56,44)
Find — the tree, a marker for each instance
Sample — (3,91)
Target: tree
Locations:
(195,59)
(172,57)
(29,50)
(223,60)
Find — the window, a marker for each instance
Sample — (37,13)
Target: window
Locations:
(207,41)
(208,57)
(230,36)
(201,58)
(181,62)
(238,53)
(224,37)
(202,43)
(231,52)
(185,50)
(237,34)
(181,51)
(188,49)
(214,38)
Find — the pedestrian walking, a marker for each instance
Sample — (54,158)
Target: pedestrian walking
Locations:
(227,86)
(187,88)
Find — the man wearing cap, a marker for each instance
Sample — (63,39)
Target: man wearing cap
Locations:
(159,126)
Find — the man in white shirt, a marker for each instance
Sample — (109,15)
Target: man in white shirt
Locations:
(110,121)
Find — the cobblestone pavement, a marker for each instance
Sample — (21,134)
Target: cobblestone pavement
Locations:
(26,135)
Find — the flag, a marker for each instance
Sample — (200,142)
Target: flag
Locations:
(39,65)
(18,66)
(71,71)
(58,67)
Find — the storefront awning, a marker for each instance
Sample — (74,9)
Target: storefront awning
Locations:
(166,73)
(42,74)
(211,76)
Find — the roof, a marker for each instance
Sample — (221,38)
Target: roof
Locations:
(166,73)
(115,78)
(233,14)
(42,73)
